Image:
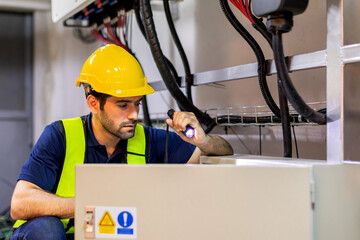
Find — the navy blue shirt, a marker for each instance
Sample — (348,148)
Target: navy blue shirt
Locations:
(45,162)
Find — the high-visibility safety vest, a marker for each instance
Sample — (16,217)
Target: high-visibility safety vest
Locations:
(75,154)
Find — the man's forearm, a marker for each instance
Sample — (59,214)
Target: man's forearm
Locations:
(216,146)
(30,201)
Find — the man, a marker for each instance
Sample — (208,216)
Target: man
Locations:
(114,86)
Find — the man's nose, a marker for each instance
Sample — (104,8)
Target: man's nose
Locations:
(133,113)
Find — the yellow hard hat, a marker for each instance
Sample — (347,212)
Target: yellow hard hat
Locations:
(114,71)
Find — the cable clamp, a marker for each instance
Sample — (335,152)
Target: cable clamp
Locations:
(300,118)
(228,116)
(267,67)
(190,79)
(293,119)
(242,116)
(256,117)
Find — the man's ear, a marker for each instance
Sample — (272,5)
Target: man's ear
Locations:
(93,104)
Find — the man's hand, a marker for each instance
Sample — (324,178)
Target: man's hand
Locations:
(30,201)
(181,120)
(206,145)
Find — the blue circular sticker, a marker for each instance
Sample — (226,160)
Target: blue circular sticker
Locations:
(125,219)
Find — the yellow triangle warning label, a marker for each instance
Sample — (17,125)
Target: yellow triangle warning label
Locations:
(106,224)
(106,220)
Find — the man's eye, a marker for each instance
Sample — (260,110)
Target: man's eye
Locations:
(138,104)
(123,105)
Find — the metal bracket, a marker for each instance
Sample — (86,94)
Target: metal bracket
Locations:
(89,222)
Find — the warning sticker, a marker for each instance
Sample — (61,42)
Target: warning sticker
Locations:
(115,222)
(107,224)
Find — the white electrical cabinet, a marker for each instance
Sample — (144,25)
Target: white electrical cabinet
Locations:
(62,9)
(238,197)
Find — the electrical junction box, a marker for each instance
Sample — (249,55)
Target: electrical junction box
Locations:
(263,8)
(232,197)
(62,9)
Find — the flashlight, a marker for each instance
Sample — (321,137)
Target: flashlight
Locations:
(189,131)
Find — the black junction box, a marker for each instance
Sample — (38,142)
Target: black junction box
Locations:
(263,8)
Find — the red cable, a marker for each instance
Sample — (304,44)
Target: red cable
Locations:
(249,13)
(121,29)
(239,4)
(245,10)
(111,34)
(99,37)
(114,38)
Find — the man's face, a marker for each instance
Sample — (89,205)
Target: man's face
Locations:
(120,115)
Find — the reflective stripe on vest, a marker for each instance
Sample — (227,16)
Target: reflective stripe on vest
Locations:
(75,154)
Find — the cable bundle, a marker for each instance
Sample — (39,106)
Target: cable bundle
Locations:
(283,112)
(244,7)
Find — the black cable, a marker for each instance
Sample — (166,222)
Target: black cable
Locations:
(283,112)
(251,14)
(142,30)
(295,99)
(139,21)
(259,55)
(210,127)
(138,18)
(235,119)
(84,38)
(296,145)
(161,63)
(285,121)
(261,28)
(188,75)
(147,119)
(145,108)
(166,160)
(284,109)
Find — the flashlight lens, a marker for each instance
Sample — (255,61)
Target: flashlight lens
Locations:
(189,132)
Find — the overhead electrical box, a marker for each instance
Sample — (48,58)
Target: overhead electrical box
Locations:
(62,9)
(266,7)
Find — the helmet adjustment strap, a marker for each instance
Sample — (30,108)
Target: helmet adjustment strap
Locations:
(88,89)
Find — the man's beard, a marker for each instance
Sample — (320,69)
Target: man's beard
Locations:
(110,127)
